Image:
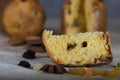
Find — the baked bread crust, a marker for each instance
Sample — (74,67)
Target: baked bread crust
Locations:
(83,16)
(91,58)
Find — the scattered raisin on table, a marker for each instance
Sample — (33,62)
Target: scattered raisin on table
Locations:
(29,54)
(24,64)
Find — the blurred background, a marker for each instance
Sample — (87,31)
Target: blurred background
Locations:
(53,12)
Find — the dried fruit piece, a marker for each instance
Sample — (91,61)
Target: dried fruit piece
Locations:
(97,72)
(88,73)
(37,67)
(79,71)
(24,64)
(116,70)
(111,74)
(29,54)
(84,44)
(71,46)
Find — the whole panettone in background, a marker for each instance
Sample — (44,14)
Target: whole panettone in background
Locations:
(23,18)
(83,16)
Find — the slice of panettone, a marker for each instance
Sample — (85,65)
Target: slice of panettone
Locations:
(83,49)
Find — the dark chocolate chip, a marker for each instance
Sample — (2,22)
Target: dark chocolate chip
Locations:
(51,69)
(84,44)
(76,23)
(24,64)
(71,46)
(29,54)
(57,69)
(60,69)
(45,67)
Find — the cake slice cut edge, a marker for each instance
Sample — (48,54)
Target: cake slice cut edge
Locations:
(83,49)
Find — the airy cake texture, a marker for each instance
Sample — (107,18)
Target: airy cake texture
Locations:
(83,16)
(83,49)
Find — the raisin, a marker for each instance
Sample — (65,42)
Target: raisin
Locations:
(29,54)
(24,64)
(84,44)
(71,46)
